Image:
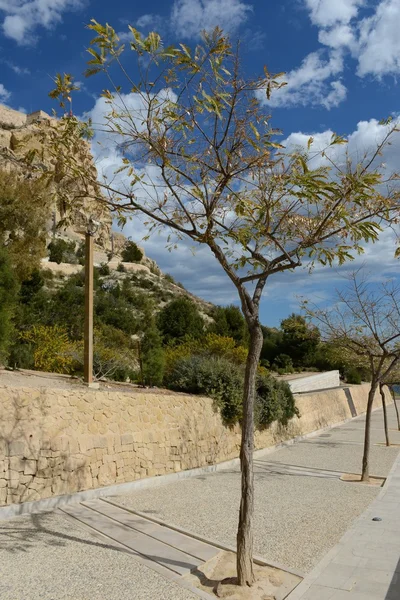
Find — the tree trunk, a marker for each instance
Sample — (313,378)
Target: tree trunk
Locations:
(245,530)
(367,436)
(385,419)
(396,407)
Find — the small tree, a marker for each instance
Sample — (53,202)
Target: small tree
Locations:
(24,210)
(131,252)
(180,319)
(229,322)
(300,339)
(8,301)
(365,325)
(152,360)
(61,251)
(199,157)
(392,381)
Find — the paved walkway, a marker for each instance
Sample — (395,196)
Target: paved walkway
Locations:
(302,512)
(365,565)
(302,509)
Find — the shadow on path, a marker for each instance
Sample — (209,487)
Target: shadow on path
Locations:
(393,592)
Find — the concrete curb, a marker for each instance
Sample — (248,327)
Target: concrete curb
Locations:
(120,489)
(305,585)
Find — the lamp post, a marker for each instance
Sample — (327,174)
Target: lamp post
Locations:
(88,332)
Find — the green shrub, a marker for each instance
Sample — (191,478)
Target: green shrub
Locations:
(131,253)
(21,356)
(81,253)
(274,402)
(217,378)
(152,357)
(180,319)
(8,301)
(104,270)
(61,251)
(283,364)
(229,322)
(121,268)
(353,376)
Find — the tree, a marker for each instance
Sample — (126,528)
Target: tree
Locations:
(200,161)
(61,251)
(180,319)
(272,343)
(365,325)
(8,301)
(131,252)
(229,322)
(24,210)
(300,339)
(151,355)
(392,381)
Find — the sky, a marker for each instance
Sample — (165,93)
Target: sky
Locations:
(341,60)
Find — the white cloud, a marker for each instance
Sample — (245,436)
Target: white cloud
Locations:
(372,39)
(4,94)
(199,271)
(190,17)
(313,83)
(22,17)
(363,140)
(325,13)
(16,68)
(341,36)
(379,41)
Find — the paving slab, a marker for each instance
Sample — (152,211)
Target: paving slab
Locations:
(162,553)
(162,533)
(365,564)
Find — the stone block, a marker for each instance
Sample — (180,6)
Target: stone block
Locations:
(16,448)
(30,467)
(107,474)
(13,479)
(16,463)
(127,438)
(3,496)
(99,441)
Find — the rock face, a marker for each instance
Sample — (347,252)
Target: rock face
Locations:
(21,134)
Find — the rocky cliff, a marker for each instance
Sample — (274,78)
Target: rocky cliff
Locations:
(24,135)
(21,135)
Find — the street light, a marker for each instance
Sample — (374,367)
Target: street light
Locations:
(92,228)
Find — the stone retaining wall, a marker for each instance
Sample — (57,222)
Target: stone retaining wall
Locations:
(60,441)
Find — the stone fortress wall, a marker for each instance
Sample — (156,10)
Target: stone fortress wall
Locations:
(56,441)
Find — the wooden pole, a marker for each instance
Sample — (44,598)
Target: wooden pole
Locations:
(88,335)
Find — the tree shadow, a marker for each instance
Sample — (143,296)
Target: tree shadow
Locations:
(26,536)
(33,464)
(393,592)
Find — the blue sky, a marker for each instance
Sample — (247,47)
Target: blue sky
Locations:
(341,58)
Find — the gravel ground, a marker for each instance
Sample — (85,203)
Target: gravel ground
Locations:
(49,557)
(297,518)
